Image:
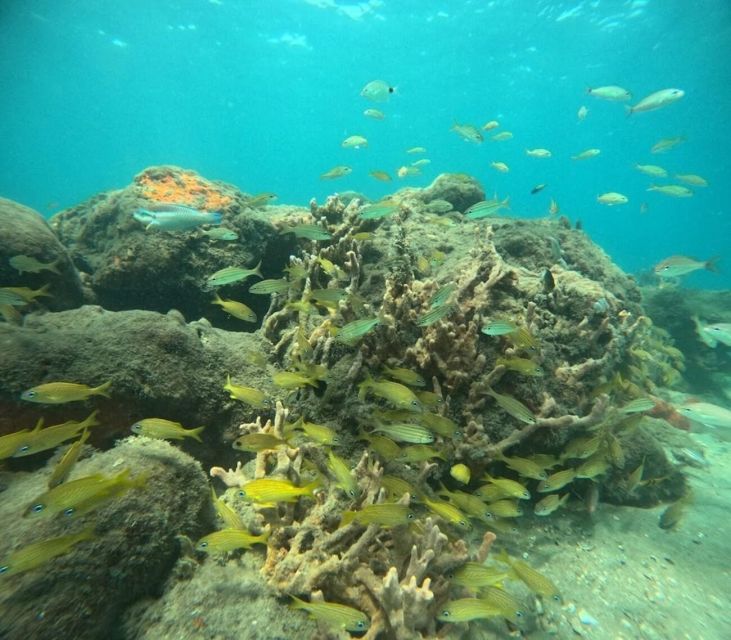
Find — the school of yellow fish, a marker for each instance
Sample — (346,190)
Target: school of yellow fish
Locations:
(408,423)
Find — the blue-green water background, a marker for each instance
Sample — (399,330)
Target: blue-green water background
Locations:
(261,94)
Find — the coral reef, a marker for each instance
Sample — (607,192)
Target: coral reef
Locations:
(130,556)
(518,345)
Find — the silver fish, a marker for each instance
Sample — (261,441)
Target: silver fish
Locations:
(174,217)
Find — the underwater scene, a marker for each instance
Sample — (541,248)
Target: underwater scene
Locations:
(380,319)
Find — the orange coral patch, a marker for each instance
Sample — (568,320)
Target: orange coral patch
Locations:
(177,186)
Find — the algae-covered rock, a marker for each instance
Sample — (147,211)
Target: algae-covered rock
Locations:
(459,189)
(129,267)
(82,594)
(226,600)
(158,366)
(24,232)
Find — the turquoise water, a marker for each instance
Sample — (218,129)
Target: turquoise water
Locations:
(261,94)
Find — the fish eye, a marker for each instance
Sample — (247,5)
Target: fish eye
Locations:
(352,493)
(518,614)
(557,598)
(410,516)
(30,394)
(446,613)
(202,545)
(69,511)
(37,508)
(414,403)
(24,448)
(241,493)
(360,624)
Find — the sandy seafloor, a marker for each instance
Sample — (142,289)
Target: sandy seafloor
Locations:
(618,571)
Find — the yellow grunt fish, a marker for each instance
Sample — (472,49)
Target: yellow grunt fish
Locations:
(320,433)
(419,453)
(502,600)
(535,581)
(521,365)
(29,264)
(504,509)
(230,540)
(395,486)
(549,504)
(51,437)
(524,467)
(397,394)
(448,512)
(11,442)
(383,446)
(83,494)
(342,474)
(386,515)
(271,490)
(510,487)
(230,518)
(557,480)
(253,397)
(165,429)
(406,432)
(513,407)
(467,609)
(60,392)
(474,575)
(338,615)
(29,295)
(236,309)
(255,442)
(62,470)
(292,380)
(406,376)
(38,553)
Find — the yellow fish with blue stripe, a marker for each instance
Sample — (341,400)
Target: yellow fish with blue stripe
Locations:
(38,553)
(61,392)
(272,490)
(230,540)
(337,615)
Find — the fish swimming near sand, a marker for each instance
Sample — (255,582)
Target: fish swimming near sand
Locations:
(174,217)
(710,415)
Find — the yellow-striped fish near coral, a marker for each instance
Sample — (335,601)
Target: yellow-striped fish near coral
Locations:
(38,553)
(165,429)
(335,614)
(271,490)
(229,540)
(60,392)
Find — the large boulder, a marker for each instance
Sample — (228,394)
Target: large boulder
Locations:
(158,366)
(83,594)
(25,233)
(129,267)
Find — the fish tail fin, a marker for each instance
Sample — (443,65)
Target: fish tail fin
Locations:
(712,264)
(90,420)
(43,291)
(503,557)
(217,218)
(195,433)
(364,386)
(346,519)
(311,487)
(628,111)
(54,266)
(257,270)
(102,389)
